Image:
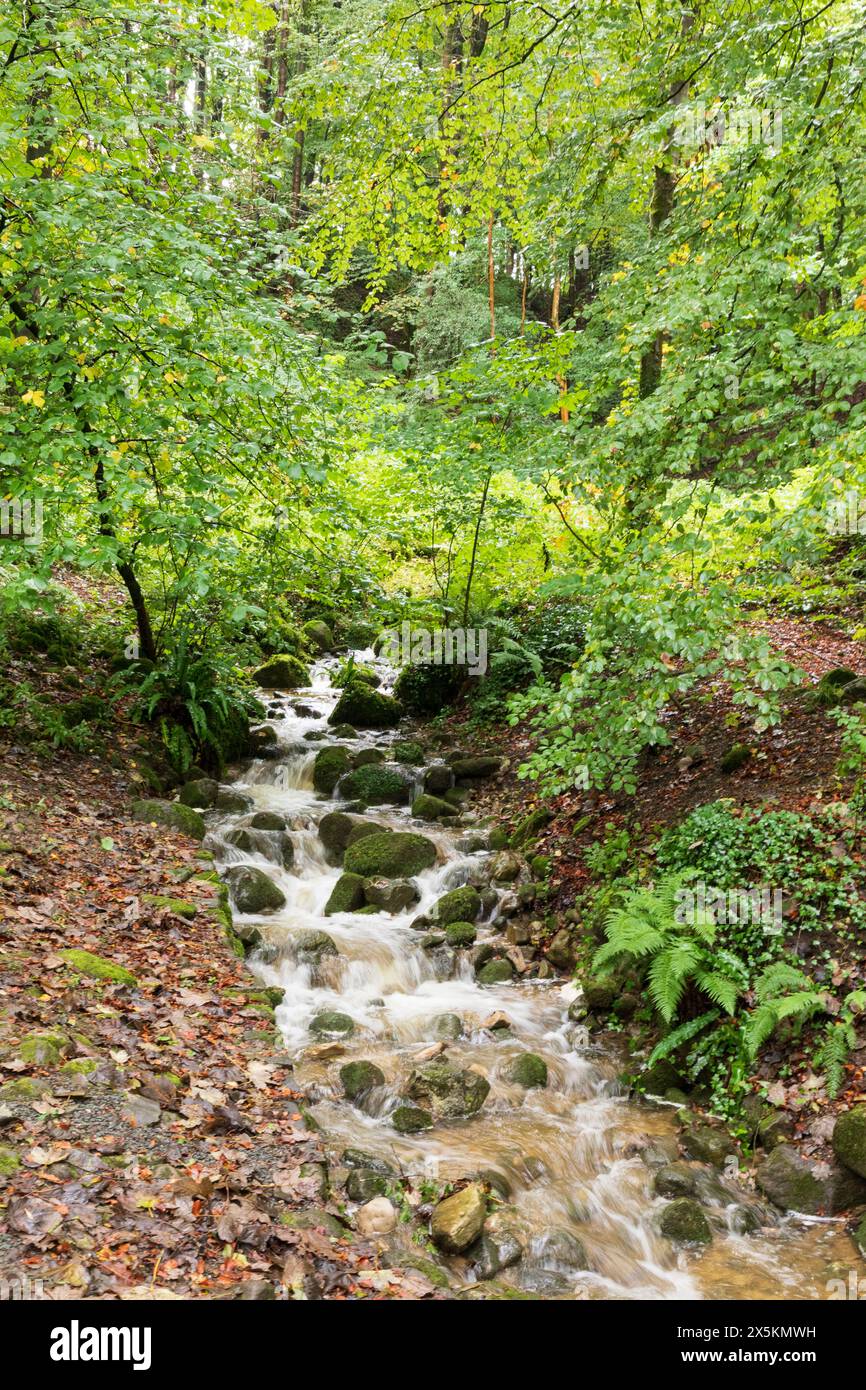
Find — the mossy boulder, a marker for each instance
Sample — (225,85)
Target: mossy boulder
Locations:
(529,1070)
(367,755)
(171,814)
(376,785)
(201,793)
(449,1026)
(330,765)
(459,935)
(268,820)
(396,854)
(410,1119)
(789,1181)
(338,829)
(448,1091)
(527,828)
(347,895)
(438,778)
(406,751)
(460,905)
(495,972)
(735,757)
(270,844)
(684,1222)
(283,672)
(319,635)
(600,992)
(849,1139)
(332,1024)
(709,1145)
(675,1180)
(86,963)
(363,1184)
(312,946)
(475,768)
(390,895)
(426,807)
(357,1078)
(46,1047)
(426,689)
(253,893)
(458,1220)
(365,708)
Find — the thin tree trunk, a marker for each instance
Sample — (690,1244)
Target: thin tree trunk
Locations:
(471,575)
(491,285)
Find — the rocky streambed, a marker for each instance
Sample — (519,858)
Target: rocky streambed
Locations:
(475,1126)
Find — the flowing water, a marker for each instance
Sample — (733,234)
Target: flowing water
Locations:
(568,1154)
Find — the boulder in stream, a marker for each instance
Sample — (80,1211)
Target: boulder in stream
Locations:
(377,784)
(394,854)
(365,708)
(410,1119)
(684,1222)
(458,1220)
(283,672)
(357,1078)
(529,1070)
(849,1139)
(390,895)
(438,778)
(201,793)
(253,893)
(347,895)
(172,814)
(331,764)
(331,1024)
(312,946)
(460,905)
(448,1091)
(270,844)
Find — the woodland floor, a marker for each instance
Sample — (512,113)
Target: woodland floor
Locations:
(177,1165)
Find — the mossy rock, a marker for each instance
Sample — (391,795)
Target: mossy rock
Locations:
(347,895)
(319,635)
(363,1184)
(460,905)
(390,894)
(330,1023)
(85,963)
(352,672)
(675,1180)
(179,906)
(252,891)
(330,765)
(283,672)
(474,768)
(344,731)
(447,1091)
(80,1066)
(396,854)
(357,1078)
(683,1221)
(849,1139)
(527,828)
(9,1161)
(495,972)
(311,946)
(410,1119)
(171,814)
(460,935)
(458,1220)
(405,751)
(426,689)
(233,803)
(736,757)
(312,1219)
(201,793)
(449,1026)
(365,708)
(46,1047)
(270,844)
(426,807)
(22,1090)
(376,785)
(529,1070)
(338,829)
(365,756)
(268,820)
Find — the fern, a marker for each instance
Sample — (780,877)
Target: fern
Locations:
(681,1035)
(839,1040)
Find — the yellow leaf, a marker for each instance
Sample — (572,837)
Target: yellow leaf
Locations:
(596,79)
(36,398)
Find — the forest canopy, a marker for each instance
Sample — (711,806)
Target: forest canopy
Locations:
(544,318)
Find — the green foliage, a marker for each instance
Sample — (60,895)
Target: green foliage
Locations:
(199,706)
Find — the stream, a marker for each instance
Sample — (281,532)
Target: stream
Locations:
(572,1156)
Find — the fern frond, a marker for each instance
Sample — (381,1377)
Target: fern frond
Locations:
(777,978)
(667,976)
(681,1035)
(720,988)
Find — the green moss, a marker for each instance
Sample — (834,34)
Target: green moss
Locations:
(460,934)
(85,963)
(376,785)
(172,814)
(460,905)
(181,907)
(9,1161)
(347,895)
(44,1048)
(319,634)
(427,807)
(408,752)
(365,708)
(282,672)
(394,854)
(331,764)
(82,1065)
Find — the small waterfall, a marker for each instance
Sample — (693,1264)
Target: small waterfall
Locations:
(579,1194)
